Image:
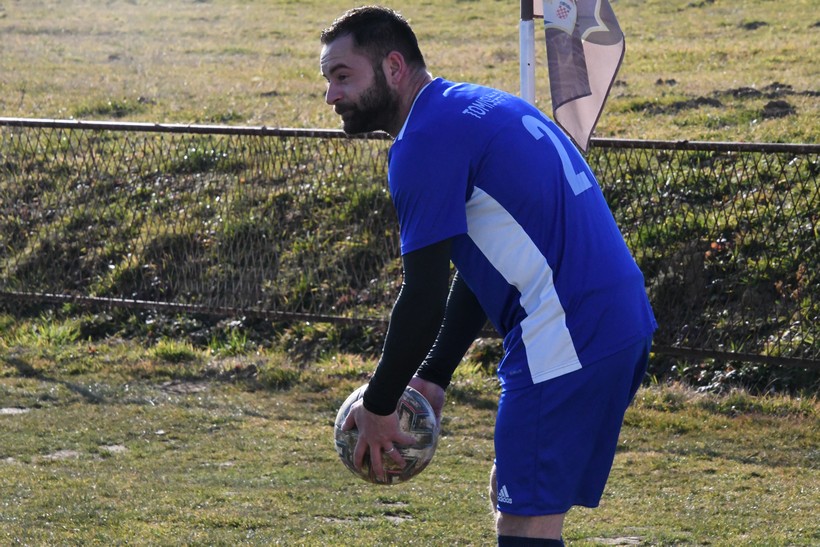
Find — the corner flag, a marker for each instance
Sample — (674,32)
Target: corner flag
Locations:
(585,47)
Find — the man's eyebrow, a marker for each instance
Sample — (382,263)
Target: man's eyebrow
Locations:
(334,68)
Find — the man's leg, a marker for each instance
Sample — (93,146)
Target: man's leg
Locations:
(543,526)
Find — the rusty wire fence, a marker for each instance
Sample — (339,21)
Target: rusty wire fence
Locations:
(298,224)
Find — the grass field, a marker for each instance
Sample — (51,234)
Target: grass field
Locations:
(115,443)
(161,441)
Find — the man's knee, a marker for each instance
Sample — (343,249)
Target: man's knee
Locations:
(514,528)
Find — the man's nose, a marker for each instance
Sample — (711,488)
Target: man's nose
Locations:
(333,94)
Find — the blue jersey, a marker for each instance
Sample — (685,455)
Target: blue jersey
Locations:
(532,235)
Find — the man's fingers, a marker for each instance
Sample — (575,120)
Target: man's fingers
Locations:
(376,465)
(377,458)
(396,456)
(405,439)
(359,453)
(349,423)
(432,392)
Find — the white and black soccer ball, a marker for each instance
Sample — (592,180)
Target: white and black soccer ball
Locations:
(416,417)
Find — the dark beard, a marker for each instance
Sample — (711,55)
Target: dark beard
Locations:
(375,110)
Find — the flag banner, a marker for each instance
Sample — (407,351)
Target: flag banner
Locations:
(585,48)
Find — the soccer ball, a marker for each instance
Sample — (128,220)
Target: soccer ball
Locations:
(416,417)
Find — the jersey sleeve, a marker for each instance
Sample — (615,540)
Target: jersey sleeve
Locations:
(428,180)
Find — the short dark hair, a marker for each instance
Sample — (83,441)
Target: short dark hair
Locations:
(377,31)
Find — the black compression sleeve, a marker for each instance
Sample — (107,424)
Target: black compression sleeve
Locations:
(463,320)
(414,322)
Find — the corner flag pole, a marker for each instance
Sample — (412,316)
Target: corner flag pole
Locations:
(585,48)
(526,38)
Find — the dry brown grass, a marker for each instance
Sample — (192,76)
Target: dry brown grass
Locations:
(256,63)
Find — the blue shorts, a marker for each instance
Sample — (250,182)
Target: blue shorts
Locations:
(555,441)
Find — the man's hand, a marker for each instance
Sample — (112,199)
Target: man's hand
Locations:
(432,392)
(378,435)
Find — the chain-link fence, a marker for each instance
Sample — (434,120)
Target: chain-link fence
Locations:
(298,224)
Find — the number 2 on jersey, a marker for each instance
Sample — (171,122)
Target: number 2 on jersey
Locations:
(578,180)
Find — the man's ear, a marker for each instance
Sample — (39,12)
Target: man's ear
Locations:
(394,67)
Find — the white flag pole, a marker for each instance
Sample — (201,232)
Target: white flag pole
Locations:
(526,37)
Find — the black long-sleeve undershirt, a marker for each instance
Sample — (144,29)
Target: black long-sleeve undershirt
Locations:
(414,323)
(418,316)
(463,320)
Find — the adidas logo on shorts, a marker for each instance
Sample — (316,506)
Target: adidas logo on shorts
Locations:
(503,495)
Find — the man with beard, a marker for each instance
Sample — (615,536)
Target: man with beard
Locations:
(481,178)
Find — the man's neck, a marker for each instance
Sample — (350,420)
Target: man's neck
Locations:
(408,96)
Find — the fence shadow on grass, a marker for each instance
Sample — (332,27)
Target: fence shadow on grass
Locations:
(25,370)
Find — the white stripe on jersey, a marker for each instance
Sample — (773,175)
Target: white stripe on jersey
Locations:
(505,244)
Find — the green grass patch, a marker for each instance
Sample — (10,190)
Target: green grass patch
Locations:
(172,351)
(117,108)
